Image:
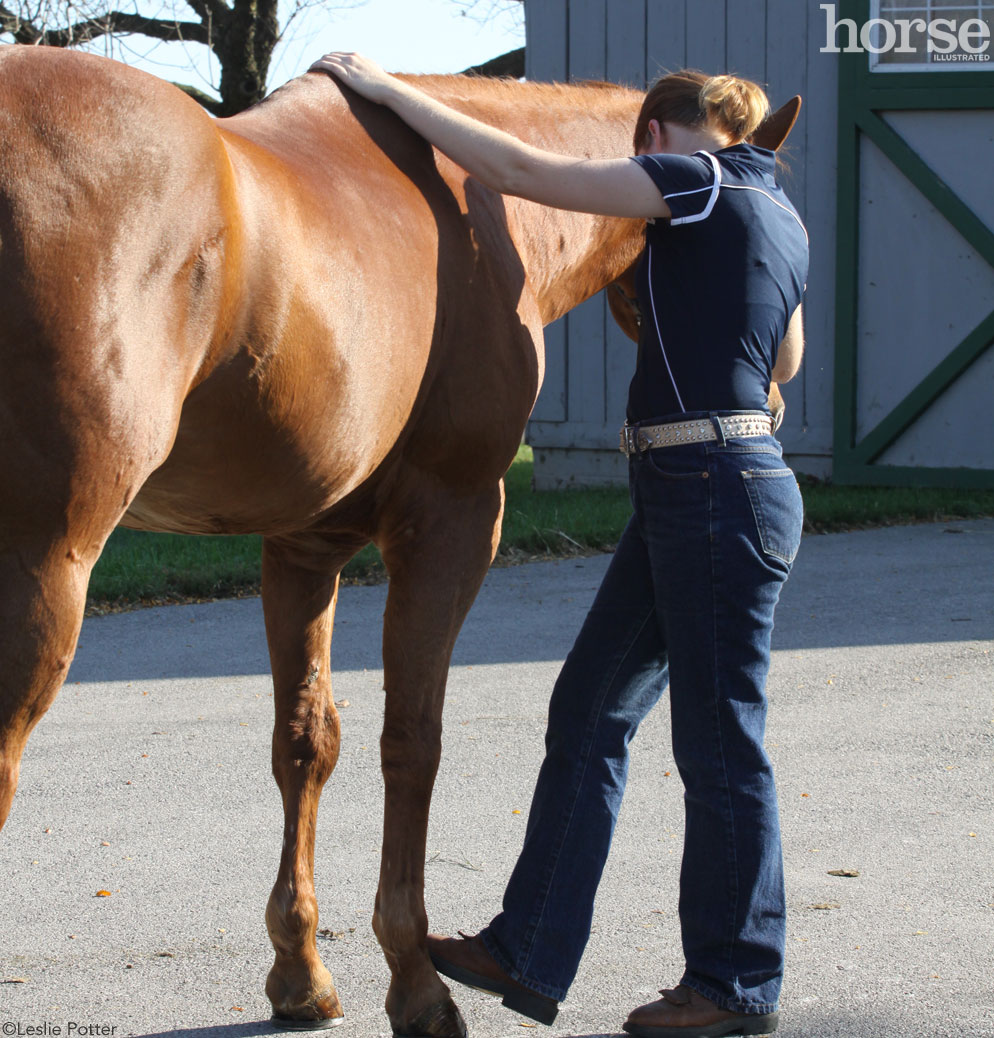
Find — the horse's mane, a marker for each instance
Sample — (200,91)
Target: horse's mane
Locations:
(487,89)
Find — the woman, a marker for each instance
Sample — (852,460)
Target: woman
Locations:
(689,596)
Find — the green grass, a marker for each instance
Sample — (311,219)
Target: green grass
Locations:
(153,568)
(829,508)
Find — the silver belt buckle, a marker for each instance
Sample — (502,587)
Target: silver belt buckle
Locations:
(629,439)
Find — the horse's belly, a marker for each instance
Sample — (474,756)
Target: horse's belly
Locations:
(243,464)
(238,494)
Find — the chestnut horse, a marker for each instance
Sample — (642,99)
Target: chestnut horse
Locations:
(300,322)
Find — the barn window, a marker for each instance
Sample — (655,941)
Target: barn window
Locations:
(931,35)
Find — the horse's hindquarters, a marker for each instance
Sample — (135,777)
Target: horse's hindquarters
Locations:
(111,242)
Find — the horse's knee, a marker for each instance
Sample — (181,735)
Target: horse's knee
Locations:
(306,745)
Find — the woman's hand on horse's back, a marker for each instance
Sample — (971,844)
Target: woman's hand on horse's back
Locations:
(362,74)
(610,187)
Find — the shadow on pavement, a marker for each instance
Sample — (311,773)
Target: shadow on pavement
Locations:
(892,586)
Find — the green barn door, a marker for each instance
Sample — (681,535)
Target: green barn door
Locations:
(914,379)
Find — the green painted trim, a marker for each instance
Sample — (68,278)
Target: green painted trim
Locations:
(929,183)
(922,97)
(846,282)
(862,95)
(935,383)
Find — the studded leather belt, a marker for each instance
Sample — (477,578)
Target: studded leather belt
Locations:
(638,438)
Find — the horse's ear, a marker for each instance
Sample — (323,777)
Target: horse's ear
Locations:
(775,128)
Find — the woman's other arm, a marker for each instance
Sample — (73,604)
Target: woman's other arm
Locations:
(791,349)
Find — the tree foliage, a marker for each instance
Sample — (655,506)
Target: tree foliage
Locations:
(242,34)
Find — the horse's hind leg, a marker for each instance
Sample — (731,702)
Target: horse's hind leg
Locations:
(58,504)
(299,591)
(437,556)
(42,594)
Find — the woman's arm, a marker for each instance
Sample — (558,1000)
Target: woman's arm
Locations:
(609,187)
(791,349)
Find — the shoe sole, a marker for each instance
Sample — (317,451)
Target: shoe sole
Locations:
(746,1025)
(536,1007)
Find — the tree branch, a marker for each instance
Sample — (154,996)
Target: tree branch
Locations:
(22,30)
(212,104)
(211,11)
(102,25)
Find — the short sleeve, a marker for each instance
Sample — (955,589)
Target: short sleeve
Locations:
(688,183)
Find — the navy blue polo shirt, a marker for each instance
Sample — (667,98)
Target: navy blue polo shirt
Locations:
(717,283)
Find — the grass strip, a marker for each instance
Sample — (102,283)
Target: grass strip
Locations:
(151,569)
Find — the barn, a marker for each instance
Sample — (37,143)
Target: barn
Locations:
(892,168)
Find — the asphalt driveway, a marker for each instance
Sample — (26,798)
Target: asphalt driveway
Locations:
(149,779)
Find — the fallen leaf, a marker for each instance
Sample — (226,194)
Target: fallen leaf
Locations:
(237,1009)
(843,872)
(666,774)
(102,893)
(517,812)
(14,980)
(342,702)
(165,955)
(104,843)
(824,905)
(46,830)
(523,1024)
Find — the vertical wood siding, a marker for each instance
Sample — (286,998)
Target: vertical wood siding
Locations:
(775,42)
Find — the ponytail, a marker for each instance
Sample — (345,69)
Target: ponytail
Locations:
(691,98)
(734,105)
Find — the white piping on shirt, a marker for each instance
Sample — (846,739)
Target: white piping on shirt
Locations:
(659,336)
(715,187)
(760,191)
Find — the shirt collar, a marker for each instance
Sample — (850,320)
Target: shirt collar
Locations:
(763,158)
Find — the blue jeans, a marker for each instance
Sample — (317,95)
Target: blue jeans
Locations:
(687,599)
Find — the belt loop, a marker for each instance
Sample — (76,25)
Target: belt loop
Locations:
(719,431)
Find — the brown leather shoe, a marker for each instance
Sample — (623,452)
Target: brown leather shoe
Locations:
(683,1013)
(465,958)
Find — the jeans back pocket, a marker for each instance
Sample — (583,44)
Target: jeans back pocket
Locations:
(778,510)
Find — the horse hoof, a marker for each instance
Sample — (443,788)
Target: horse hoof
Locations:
(282,1023)
(316,1015)
(442,1020)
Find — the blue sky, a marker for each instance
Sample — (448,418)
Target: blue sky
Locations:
(402,35)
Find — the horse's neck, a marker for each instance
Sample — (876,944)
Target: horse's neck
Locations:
(568,256)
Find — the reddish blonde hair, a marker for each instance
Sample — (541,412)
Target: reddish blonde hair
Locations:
(692,98)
